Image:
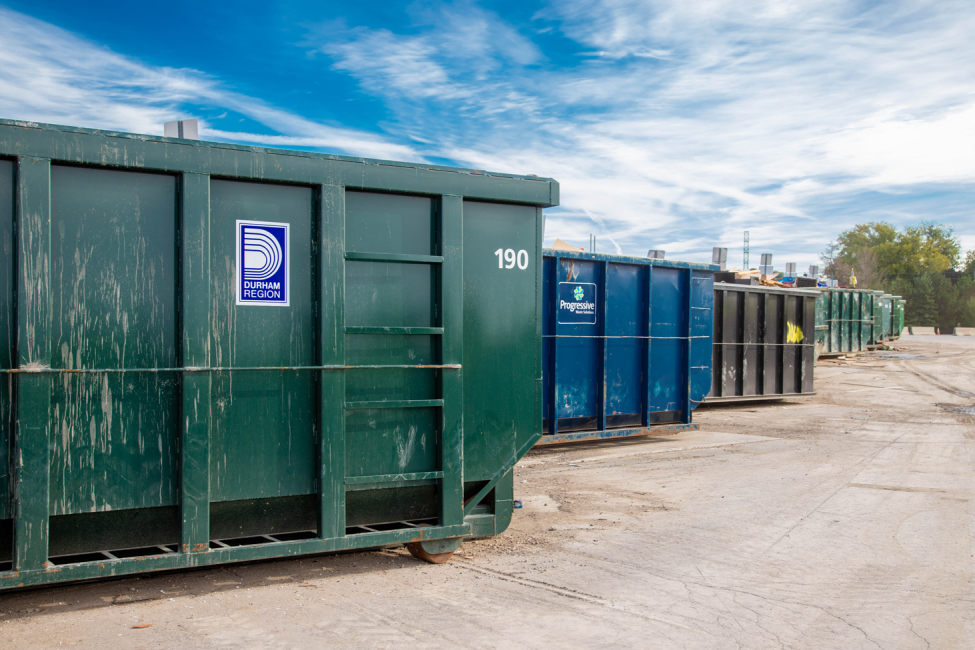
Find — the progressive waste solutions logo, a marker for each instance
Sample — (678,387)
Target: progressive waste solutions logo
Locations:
(262,263)
(577,303)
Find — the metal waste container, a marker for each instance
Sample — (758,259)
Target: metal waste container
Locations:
(877,333)
(764,342)
(897,316)
(887,312)
(229,353)
(627,345)
(847,321)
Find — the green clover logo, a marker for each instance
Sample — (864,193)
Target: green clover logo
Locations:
(578,293)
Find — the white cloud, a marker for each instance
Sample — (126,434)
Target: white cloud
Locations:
(675,124)
(383,61)
(902,152)
(728,115)
(50,75)
(462,55)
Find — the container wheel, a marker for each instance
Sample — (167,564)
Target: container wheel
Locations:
(436,551)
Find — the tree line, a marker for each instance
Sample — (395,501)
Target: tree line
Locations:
(911,263)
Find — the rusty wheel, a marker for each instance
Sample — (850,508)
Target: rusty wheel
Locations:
(416,550)
(435,551)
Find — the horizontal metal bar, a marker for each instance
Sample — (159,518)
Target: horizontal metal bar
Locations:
(394,257)
(753,398)
(385,485)
(89,371)
(661,338)
(581,436)
(791,345)
(381,478)
(395,403)
(357,483)
(379,329)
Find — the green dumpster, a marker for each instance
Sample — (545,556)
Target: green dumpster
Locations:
(822,326)
(877,335)
(847,321)
(897,316)
(228,353)
(866,319)
(887,312)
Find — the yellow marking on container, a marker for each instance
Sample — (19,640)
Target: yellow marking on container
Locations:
(794,334)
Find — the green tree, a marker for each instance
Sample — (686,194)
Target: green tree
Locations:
(968,264)
(921,309)
(885,253)
(910,263)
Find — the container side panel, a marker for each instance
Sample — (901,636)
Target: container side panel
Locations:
(8,327)
(548,331)
(791,352)
(668,331)
(624,371)
(578,360)
(625,313)
(391,441)
(499,336)
(835,322)
(808,343)
(866,318)
(113,270)
(820,326)
(390,384)
(716,337)
(848,321)
(731,348)
(263,428)
(625,316)
(400,440)
(878,316)
(701,330)
(389,223)
(579,351)
(751,352)
(772,377)
(389,294)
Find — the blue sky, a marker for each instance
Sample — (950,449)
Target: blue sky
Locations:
(670,124)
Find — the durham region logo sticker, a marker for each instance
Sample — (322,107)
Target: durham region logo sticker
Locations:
(577,303)
(262,263)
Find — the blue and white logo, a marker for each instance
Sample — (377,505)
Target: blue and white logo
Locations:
(577,303)
(262,263)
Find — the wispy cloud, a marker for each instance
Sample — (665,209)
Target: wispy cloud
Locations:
(688,118)
(668,124)
(50,75)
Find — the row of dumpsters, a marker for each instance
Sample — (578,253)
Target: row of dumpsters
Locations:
(215,353)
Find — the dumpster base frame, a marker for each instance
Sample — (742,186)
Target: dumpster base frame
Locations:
(612,434)
(68,573)
(730,399)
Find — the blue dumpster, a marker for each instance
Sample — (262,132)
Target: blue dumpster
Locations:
(627,345)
